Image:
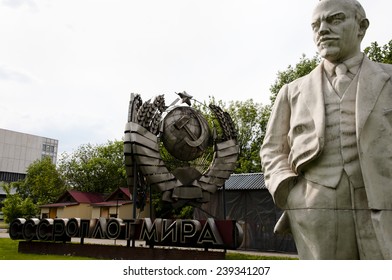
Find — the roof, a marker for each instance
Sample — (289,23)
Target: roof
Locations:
(119,194)
(245,181)
(59,205)
(73,197)
(80,197)
(111,203)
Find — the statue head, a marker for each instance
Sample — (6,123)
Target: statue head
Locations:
(338,28)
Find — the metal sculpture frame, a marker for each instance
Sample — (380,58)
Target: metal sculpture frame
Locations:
(145,166)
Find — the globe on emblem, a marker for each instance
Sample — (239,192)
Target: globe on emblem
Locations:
(185,133)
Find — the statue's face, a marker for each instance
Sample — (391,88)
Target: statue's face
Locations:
(336,31)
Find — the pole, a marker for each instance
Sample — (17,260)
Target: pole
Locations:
(134,195)
(224,201)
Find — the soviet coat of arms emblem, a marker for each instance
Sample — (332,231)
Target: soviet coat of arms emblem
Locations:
(183,132)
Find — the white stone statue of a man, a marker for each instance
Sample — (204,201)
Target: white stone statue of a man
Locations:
(327,153)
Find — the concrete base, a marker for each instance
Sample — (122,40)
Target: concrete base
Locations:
(116,252)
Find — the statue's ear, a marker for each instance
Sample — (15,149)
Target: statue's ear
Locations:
(363,26)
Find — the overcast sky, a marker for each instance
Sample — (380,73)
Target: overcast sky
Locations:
(67,68)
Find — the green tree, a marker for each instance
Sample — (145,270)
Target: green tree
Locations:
(179,210)
(43,183)
(303,67)
(380,54)
(95,168)
(17,207)
(250,119)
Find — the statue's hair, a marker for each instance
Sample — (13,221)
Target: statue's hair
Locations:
(360,13)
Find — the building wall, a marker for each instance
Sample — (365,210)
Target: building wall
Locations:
(77,211)
(146,213)
(59,213)
(123,212)
(126,212)
(19,150)
(96,212)
(44,213)
(85,211)
(82,211)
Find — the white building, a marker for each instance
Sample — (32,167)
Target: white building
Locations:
(19,150)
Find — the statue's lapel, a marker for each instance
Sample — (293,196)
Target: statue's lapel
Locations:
(312,94)
(372,79)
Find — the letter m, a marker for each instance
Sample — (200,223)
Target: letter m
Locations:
(151,232)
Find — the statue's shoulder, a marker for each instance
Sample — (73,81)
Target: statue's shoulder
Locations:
(386,67)
(297,83)
(292,89)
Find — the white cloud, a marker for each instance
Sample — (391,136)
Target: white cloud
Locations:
(19,3)
(7,74)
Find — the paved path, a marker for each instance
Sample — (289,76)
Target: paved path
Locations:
(4,234)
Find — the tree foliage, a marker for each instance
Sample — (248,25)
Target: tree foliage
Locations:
(43,183)
(14,206)
(380,54)
(167,210)
(95,168)
(250,119)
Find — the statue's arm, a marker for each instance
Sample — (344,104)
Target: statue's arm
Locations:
(275,150)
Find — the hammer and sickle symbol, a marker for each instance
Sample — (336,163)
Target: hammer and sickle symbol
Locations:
(183,123)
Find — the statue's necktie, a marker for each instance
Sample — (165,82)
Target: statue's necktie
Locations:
(342,80)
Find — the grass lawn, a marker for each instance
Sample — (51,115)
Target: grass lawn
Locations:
(9,251)
(242,256)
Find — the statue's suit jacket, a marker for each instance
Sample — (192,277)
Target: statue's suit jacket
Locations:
(295,132)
